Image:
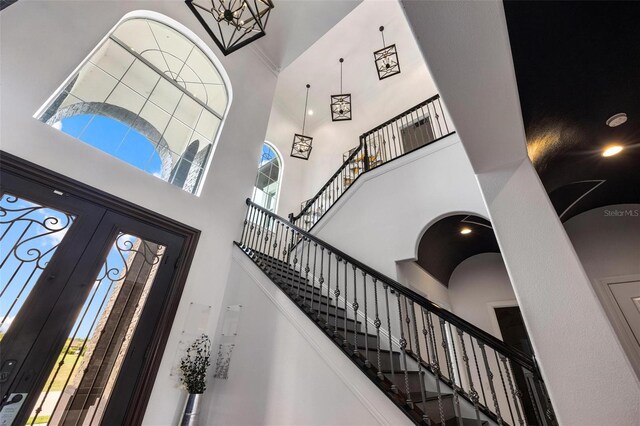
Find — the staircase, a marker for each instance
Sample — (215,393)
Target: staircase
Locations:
(419,126)
(436,367)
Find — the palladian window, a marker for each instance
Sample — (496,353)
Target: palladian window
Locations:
(267,187)
(148,96)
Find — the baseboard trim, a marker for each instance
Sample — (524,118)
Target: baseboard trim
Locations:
(376,402)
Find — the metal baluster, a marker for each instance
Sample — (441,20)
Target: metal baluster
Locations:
(399,144)
(244,227)
(447,354)
(513,391)
(491,387)
(345,342)
(403,347)
(366,321)
(408,321)
(307,269)
(504,386)
(422,123)
(457,383)
(313,275)
(265,237)
(328,287)
(260,242)
(377,323)
(254,228)
(416,122)
(422,383)
(549,413)
(429,118)
(385,142)
(336,293)
(321,282)
(446,348)
(535,402)
(274,247)
(472,392)
(436,364)
(443,118)
(299,277)
(475,359)
(285,250)
(355,307)
(394,388)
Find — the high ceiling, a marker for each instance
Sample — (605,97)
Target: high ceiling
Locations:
(354,38)
(577,64)
(294,25)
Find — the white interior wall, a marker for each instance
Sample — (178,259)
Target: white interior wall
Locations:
(607,245)
(459,38)
(375,101)
(411,275)
(280,133)
(476,285)
(397,202)
(42,42)
(285,369)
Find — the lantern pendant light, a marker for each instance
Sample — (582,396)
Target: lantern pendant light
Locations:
(386,59)
(341,104)
(301,147)
(232,24)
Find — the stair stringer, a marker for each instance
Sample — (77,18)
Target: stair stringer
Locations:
(375,401)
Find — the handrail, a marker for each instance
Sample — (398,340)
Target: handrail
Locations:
(402,114)
(513,354)
(326,185)
(380,145)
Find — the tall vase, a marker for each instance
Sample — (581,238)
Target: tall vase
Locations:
(191,411)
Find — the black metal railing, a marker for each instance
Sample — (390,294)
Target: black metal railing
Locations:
(419,126)
(432,363)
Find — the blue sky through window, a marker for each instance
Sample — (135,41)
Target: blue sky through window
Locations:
(115,138)
(42,229)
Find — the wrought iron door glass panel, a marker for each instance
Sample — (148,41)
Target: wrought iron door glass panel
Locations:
(30,234)
(79,386)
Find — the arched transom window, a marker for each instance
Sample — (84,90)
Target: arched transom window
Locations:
(267,187)
(149,96)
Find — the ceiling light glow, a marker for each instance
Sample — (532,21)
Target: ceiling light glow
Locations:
(612,150)
(465,231)
(310,112)
(617,119)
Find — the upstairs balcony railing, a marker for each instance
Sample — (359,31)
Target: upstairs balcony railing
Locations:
(417,127)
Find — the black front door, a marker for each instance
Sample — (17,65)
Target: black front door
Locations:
(82,288)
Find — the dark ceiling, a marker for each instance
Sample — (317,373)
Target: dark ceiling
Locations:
(576,64)
(442,247)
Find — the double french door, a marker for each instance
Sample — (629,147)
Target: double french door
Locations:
(83,290)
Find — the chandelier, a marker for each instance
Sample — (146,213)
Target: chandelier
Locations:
(232,24)
(386,59)
(341,104)
(301,147)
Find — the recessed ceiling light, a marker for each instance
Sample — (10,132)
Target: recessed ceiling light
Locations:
(465,231)
(612,150)
(310,112)
(617,119)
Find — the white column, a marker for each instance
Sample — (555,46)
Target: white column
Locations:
(589,379)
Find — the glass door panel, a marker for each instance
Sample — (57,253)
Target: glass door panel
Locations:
(30,234)
(82,380)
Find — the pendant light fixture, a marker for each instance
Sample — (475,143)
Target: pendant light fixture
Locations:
(341,104)
(386,59)
(301,147)
(232,24)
